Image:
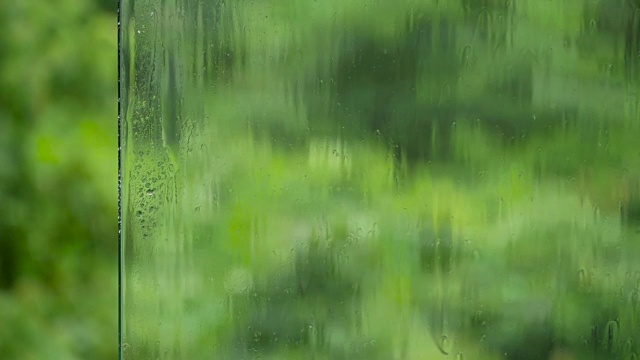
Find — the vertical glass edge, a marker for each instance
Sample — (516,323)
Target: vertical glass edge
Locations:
(120,215)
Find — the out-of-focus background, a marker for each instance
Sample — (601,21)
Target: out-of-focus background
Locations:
(58,170)
(555,213)
(381,179)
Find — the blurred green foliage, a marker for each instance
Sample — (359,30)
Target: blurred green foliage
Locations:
(362,179)
(58,141)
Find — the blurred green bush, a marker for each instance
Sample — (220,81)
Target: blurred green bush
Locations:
(58,165)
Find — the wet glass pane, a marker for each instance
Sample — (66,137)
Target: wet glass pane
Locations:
(377,179)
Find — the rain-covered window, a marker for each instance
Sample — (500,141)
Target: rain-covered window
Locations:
(378,179)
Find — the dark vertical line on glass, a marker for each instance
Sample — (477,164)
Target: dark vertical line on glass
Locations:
(120,263)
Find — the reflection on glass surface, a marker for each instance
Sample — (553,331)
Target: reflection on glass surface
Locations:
(377,179)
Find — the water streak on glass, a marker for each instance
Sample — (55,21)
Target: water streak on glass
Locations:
(377,179)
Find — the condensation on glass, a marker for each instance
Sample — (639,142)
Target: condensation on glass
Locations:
(377,179)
